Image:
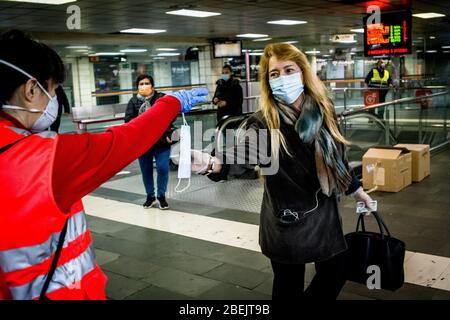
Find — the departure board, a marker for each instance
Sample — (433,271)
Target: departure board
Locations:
(392,36)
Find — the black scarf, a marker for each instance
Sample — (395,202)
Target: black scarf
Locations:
(332,173)
(146,102)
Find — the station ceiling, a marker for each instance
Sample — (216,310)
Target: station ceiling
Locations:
(102,20)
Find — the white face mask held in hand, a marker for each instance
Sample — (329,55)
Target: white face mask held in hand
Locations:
(184,165)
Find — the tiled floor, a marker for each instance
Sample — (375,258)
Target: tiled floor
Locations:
(187,252)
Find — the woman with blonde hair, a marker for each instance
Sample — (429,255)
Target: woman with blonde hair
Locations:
(300,222)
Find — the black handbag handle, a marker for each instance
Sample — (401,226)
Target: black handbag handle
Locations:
(380,221)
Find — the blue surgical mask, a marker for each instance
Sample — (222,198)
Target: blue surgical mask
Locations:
(287,89)
(50,112)
(225,77)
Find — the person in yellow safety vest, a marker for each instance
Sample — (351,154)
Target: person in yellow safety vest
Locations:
(380,78)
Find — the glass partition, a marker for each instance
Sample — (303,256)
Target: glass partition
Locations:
(417,120)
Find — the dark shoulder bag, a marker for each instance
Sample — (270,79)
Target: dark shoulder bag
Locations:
(366,249)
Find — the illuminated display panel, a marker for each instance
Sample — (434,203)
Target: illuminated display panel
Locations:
(392,36)
(227,49)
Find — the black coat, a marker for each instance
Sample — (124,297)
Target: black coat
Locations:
(132,112)
(231,92)
(318,235)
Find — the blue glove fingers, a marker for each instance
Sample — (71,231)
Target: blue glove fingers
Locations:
(196,100)
(199,92)
(189,98)
(199,95)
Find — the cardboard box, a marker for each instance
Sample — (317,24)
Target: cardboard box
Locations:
(389,168)
(420,160)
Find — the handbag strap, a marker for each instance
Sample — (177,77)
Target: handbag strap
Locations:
(54,262)
(361,221)
(380,222)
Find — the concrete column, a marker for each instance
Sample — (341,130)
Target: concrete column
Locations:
(349,72)
(83,82)
(125,81)
(210,68)
(313,62)
(162,73)
(195,74)
(413,65)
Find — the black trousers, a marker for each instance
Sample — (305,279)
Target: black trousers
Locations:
(289,280)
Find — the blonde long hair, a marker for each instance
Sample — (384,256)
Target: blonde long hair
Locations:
(312,86)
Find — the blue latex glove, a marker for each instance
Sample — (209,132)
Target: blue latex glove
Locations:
(189,98)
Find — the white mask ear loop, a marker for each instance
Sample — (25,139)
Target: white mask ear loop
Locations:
(7,106)
(185,188)
(185,150)
(26,74)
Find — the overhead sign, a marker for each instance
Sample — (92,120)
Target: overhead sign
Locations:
(343,38)
(392,36)
(227,49)
(94,58)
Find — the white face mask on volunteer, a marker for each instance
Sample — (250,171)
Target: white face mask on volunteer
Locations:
(50,112)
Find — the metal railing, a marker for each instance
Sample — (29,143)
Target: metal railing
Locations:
(107,93)
(396,92)
(389,125)
(393,102)
(84,116)
(225,124)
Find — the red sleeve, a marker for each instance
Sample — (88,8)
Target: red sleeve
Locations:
(84,161)
(4,292)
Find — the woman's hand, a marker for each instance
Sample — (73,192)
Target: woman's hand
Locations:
(221,103)
(361,196)
(200,162)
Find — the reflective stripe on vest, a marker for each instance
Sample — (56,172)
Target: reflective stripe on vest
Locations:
(20,131)
(47,134)
(43,134)
(377,80)
(21,258)
(31,223)
(65,276)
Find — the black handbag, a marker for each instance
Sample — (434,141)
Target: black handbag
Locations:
(367,249)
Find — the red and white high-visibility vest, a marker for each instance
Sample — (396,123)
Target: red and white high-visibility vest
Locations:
(31,222)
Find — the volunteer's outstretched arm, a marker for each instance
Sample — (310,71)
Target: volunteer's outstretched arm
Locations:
(84,161)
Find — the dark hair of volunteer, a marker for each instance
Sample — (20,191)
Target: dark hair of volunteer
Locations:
(46,247)
(299,221)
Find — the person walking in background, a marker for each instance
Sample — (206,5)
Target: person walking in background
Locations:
(228,95)
(64,105)
(160,151)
